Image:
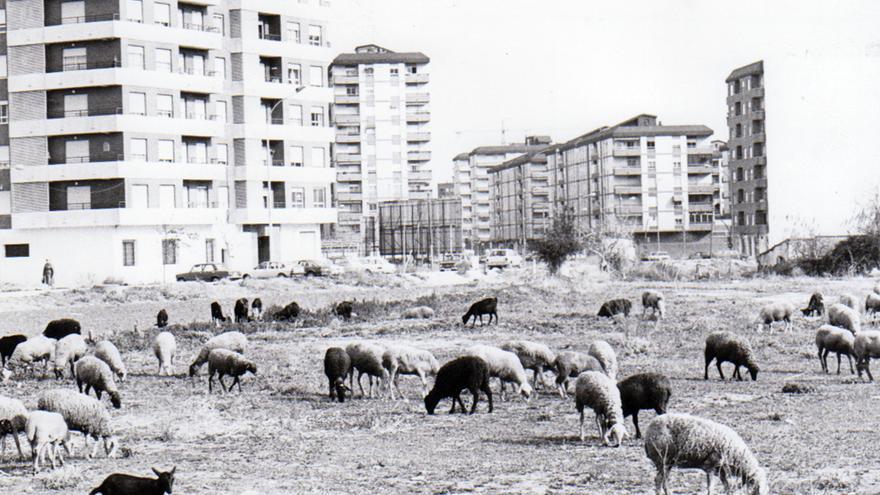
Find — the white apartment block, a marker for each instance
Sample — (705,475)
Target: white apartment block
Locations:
(143,136)
(382,150)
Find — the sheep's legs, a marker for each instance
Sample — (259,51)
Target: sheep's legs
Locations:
(718,363)
(582,426)
(476,395)
(709,482)
(95,446)
(838,363)
(660,481)
(822,361)
(360,386)
(636,423)
(851,370)
(706,370)
(868,368)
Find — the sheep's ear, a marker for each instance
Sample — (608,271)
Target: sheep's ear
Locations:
(173,469)
(156,471)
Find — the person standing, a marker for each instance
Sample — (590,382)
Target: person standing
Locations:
(48,274)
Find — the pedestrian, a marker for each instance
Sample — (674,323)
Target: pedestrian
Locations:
(48,274)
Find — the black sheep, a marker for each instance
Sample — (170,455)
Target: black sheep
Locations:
(217,313)
(8,344)
(337,365)
(726,346)
(162,318)
(644,391)
(287,313)
(816,306)
(58,329)
(257,308)
(467,372)
(126,484)
(615,307)
(486,306)
(241,310)
(343,309)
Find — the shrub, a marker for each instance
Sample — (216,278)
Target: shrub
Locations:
(560,242)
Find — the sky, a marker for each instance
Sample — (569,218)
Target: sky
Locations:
(563,67)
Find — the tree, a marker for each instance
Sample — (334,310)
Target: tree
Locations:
(612,242)
(560,242)
(867,219)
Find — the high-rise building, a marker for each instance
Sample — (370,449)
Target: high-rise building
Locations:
(721,163)
(521,199)
(146,136)
(445,190)
(382,150)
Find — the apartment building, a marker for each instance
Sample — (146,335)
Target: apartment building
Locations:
(145,136)
(382,153)
(721,176)
(445,190)
(520,194)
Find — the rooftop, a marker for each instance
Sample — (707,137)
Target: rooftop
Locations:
(537,156)
(640,125)
(375,54)
(747,70)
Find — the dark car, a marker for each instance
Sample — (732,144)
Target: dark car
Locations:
(208,272)
(449,262)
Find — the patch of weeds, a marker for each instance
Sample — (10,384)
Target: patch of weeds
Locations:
(797,388)
(65,478)
(775,417)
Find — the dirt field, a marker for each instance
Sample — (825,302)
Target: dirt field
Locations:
(283,435)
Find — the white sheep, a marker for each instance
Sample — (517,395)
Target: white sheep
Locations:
(84,414)
(840,315)
(233,341)
(833,339)
(407,360)
(600,393)
(851,301)
(225,362)
(13,418)
(604,353)
(366,358)
(106,351)
(34,350)
(775,312)
(653,300)
(872,305)
(533,356)
(46,431)
(165,347)
(418,312)
(866,345)
(689,442)
(94,373)
(67,351)
(504,365)
(570,364)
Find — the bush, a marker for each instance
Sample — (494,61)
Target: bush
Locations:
(855,255)
(560,242)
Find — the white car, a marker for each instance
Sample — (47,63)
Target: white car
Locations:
(375,264)
(270,269)
(503,258)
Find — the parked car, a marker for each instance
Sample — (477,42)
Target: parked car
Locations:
(376,264)
(208,272)
(503,258)
(449,262)
(315,268)
(270,269)
(700,255)
(657,256)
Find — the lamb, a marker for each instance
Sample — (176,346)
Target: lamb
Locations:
(615,307)
(653,300)
(833,339)
(337,365)
(8,343)
(600,393)
(45,431)
(726,346)
(126,484)
(816,306)
(604,353)
(872,304)
(33,350)
(165,347)
(67,351)
(406,360)
(257,308)
(289,312)
(570,364)
(106,351)
(505,366)
(689,442)
(366,358)
(775,312)
(225,362)
(865,346)
(233,341)
(96,374)
(58,329)
(851,301)
(162,318)
(343,310)
(488,306)
(533,356)
(240,310)
(418,312)
(466,372)
(843,316)
(83,414)
(13,419)
(644,391)
(217,314)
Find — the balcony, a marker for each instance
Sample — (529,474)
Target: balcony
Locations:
(418,97)
(208,38)
(701,169)
(301,216)
(422,176)
(115,76)
(627,171)
(117,123)
(540,191)
(347,119)
(627,189)
(349,196)
(417,137)
(699,226)
(112,217)
(701,207)
(344,79)
(346,138)
(418,156)
(348,157)
(286,173)
(416,78)
(759,137)
(757,92)
(349,177)
(700,151)
(694,189)
(628,210)
(757,114)
(346,99)
(418,117)
(626,152)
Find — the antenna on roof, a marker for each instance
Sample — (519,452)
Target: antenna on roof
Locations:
(503,133)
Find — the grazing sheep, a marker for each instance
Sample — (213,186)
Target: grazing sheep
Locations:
(600,393)
(366,358)
(13,419)
(775,312)
(644,391)
(225,362)
(343,310)
(872,304)
(126,484)
(106,351)
(67,351)
(257,308)
(83,414)
(8,343)
(488,306)
(866,345)
(615,307)
(533,356)
(162,318)
(233,341)
(851,301)
(726,346)
(689,442)
(58,329)
(418,312)
(653,300)
(406,360)
(45,431)
(96,374)
(165,347)
(604,353)
(570,364)
(505,366)
(240,310)
(33,350)
(289,312)
(816,306)
(465,373)
(217,314)
(337,366)
(843,316)
(833,339)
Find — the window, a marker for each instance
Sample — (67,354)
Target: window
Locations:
(395,72)
(223,153)
(319,197)
(314,35)
(76,105)
(3,70)
(165,106)
(412,69)
(297,197)
(652,165)
(4,112)
(317,116)
(650,145)
(169,251)
(79,197)
(18,250)
(295,114)
(296,156)
(140,196)
(222,111)
(220,23)
(220,67)
(76,151)
(294,74)
(138,149)
(135,10)
(293,32)
(167,196)
(196,152)
(163,60)
(209,250)
(73,58)
(316,76)
(223,202)
(676,167)
(317,158)
(136,57)
(676,149)
(127,253)
(166,150)
(162,14)
(137,103)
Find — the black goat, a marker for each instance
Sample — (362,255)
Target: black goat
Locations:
(644,391)
(486,306)
(126,484)
(467,372)
(337,365)
(217,313)
(287,313)
(615,307)
(58,329)
(162,318)
(8,344)
(343,309)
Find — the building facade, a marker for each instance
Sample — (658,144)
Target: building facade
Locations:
(420,229)
(721,164)
(445,190)
(141,137)
(382,153)
(520,195)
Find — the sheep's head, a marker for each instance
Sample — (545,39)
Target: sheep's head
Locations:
(166,480)
(758,483)
(753,371)
(464,319)
(860,367)
(431,401)
(115,400)
(193,369)
(251,367)
(615,435)
(526,390)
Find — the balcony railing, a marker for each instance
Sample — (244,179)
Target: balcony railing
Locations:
(270,36)
(274,79)
(79,206)
(202,204)
(276,162)
(88,112)
(82,63)
(200,27)
(89,18)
